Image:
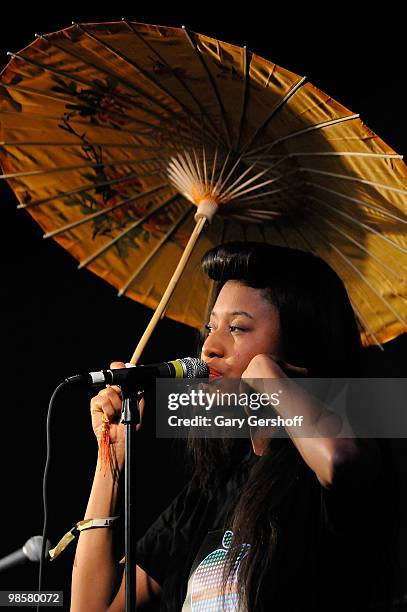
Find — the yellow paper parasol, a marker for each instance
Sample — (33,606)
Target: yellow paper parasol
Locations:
(122,138)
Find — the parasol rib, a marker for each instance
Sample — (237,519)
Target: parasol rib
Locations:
(195,171)
(361,296)
(106,211)
(355,178)
(363,248)
(179,171)
(215,90)
(238,192)
(205,168)
(76,103)
(368,330)
(274,111)
(165,238)
(219,181)
(72,120)
(117,77)
(180,182)
(115,240)
(239,178)
(181,165)
(265,194)
(132,63)
(396,263)
(329,154)
(230,191)
(245,92)
(274,207)
(197,167)
(129,162)
(100,145)
(246,218)
(83,146)
(311,128)
(107,145)
(264,213)
(364,278)
(178,78)
(360,223)
(356,242)
(215,161)
(378,209)
(88,187)
(81,81)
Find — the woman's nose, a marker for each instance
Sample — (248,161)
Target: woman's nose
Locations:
(213,346)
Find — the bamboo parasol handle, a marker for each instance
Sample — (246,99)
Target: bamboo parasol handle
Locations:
(200,222)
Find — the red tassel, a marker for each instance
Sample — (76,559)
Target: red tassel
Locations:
(104,443)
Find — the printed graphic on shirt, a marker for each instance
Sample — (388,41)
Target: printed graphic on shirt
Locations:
(205,584)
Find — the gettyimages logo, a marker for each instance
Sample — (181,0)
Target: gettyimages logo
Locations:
(208,400)
(295,407)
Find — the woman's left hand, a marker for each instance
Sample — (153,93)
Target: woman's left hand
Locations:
(265,366)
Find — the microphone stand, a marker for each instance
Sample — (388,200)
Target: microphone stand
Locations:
(130,418)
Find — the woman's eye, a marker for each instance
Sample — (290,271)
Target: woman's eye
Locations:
(232,328)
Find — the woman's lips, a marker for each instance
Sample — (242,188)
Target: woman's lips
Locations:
(214,373)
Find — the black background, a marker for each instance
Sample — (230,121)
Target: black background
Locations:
(57,321)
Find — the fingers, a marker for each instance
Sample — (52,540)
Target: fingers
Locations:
(117,364)
(288,367)
(295,369)
(108,401)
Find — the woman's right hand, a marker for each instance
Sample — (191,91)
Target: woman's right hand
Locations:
(108,402)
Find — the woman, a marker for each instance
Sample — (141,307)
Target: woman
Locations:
(274,524)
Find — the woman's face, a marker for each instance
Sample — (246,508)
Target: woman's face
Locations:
(243,324)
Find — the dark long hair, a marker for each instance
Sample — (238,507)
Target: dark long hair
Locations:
(319,331)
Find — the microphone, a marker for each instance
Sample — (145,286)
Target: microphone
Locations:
(135,376)
(31,551)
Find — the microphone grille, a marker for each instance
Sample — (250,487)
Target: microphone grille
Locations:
(194,367)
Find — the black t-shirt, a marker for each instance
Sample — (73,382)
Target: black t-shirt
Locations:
(333,553)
